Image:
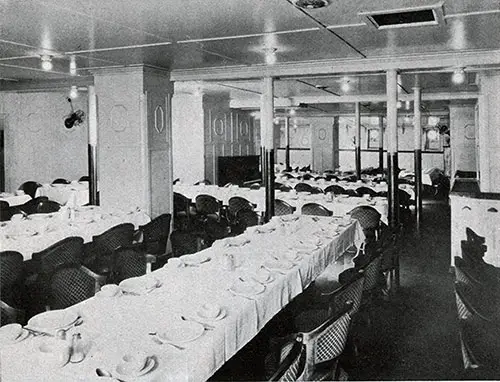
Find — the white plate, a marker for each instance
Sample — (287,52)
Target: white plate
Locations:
(264,276)
(305,247)
(150,364)
(220,316)
(278,266)
(53,320)
(179,332)
(10,333)
(195,259)
(247,288)
(294,257)
(140,285)
(289,218)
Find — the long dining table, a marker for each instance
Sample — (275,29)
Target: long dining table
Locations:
(75,193)
(250,277)
(36,232)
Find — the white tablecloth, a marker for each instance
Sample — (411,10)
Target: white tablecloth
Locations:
(117,325)
(14,200)
(77,192)
(38,231)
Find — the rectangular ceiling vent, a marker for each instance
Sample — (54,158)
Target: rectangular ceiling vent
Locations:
(408,17)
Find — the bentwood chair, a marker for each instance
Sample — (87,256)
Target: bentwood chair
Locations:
(304,187)
(282,208)
(479,337)
(324,345)
(336,189)
(30,187)
(84,178)
(182,212)
(184,243)
(5,211)
(155,235)
(315,209)
(31,206)
(61,181)
(244,219)
(11,315)
(11,279)
(68,251)
(236,204)
(369,219)
(70,284)
(292,365)
(98,253)
(47,207)
(307,177)
(208,207)
(129,262)
(363,190)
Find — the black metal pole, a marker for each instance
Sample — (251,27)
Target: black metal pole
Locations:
(93,199)
(418,187)
(392,194)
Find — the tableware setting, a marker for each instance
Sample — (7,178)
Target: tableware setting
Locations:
(139,285)
(51,321)
(133,365)
(109,290)
(246,288)
(194,260)
(52,351)
(212,312)
(279,266)
(179,332)
(263,276)
(12,333)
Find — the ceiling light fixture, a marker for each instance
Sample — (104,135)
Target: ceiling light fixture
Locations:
(311,4)
(72,66)
(407,105)
(458,76)
(73,93)
(46,62)
(399,104)
(292,112)
(344,86)
(270,55)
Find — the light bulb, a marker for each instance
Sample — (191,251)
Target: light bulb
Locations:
(73,93)
(407,105)
(344,86)
(458,76)
(47,63)
(292,112)
(399,104)
(72,66)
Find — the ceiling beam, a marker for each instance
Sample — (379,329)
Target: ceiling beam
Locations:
(327,67)
(295,101)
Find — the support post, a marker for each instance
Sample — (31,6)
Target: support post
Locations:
(267,139)
(392,147)
(92,146)
(357,119)
(417,128)
(287,147)
(381,144)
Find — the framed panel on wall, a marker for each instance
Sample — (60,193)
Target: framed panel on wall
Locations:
(373,138)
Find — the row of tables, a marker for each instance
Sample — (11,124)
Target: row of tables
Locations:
(75,193)
(290,251)
(340,205)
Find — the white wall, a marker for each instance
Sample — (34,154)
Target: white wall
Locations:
(463,141)
(188,137)
(37,144)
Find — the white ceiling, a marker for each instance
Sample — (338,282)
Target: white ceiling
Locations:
(188,35)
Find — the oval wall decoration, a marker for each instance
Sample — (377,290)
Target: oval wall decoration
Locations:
(321,134)
(244,128)
(159,119)
(218,126)
(33,122)
(119,118)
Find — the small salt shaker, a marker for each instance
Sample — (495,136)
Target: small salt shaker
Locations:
(77,354)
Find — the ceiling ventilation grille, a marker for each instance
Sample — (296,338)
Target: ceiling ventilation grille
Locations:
(409,17)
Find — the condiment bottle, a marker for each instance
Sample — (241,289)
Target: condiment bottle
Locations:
(77,354)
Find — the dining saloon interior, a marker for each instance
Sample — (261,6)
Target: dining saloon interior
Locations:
(249,190)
